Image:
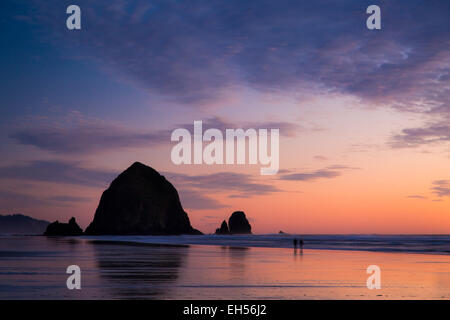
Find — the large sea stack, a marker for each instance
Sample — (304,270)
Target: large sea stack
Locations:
(140,201)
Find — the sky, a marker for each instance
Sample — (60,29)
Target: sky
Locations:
(364,115)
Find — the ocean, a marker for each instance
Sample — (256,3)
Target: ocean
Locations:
(225,267)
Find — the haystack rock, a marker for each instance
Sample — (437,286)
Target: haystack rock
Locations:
(223,228)
(238,223)
(140,201)
(63,229)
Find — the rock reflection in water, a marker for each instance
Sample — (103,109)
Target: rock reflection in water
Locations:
(236,259)
(132,271)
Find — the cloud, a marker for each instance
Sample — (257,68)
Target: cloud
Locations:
(239,184)
(10,200)
(287,129)
(426,135)
(195,51)
(13,201)
(341,167)
(195,199)
(68,199)
(311,176)
(57,172)
(239,196)
(416,196)
(329,172)
(77,134)
(441,188)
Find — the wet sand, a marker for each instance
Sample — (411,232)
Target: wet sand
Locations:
(34,268)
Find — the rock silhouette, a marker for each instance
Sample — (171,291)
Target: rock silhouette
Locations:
(63,229)
(237,224)
(140,201)
(223,228)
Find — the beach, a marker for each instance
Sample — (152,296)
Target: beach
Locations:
(35,268)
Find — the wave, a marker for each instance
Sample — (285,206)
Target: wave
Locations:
(431,244)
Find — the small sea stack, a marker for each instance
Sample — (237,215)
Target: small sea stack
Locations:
(237,224)
(63,229)
(223,228)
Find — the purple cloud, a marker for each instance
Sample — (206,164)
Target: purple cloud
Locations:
(311,176)
(57,172)
(416,196)
(13,201)
(194,51)
(426,135)
(244,185)
(196,199)
(441,188)
(329,172)
(80,135)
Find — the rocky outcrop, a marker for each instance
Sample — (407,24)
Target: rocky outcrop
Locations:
(63,229)
(140,201)
(237,224)
(223,228)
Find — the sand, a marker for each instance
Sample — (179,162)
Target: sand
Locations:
(34,268)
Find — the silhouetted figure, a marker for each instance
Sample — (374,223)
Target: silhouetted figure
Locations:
(295,243)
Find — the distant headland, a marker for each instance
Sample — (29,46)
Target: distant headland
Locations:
(21,224)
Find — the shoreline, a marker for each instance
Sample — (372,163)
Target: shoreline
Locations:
(415,244)
(261,241)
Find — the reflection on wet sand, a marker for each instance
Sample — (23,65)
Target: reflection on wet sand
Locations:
(133,271)
(235,256)
(35,268)
(298,252)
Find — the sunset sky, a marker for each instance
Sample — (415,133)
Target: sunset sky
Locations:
(364,115)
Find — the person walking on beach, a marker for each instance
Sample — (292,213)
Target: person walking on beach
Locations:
(301,243)
(295,244)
